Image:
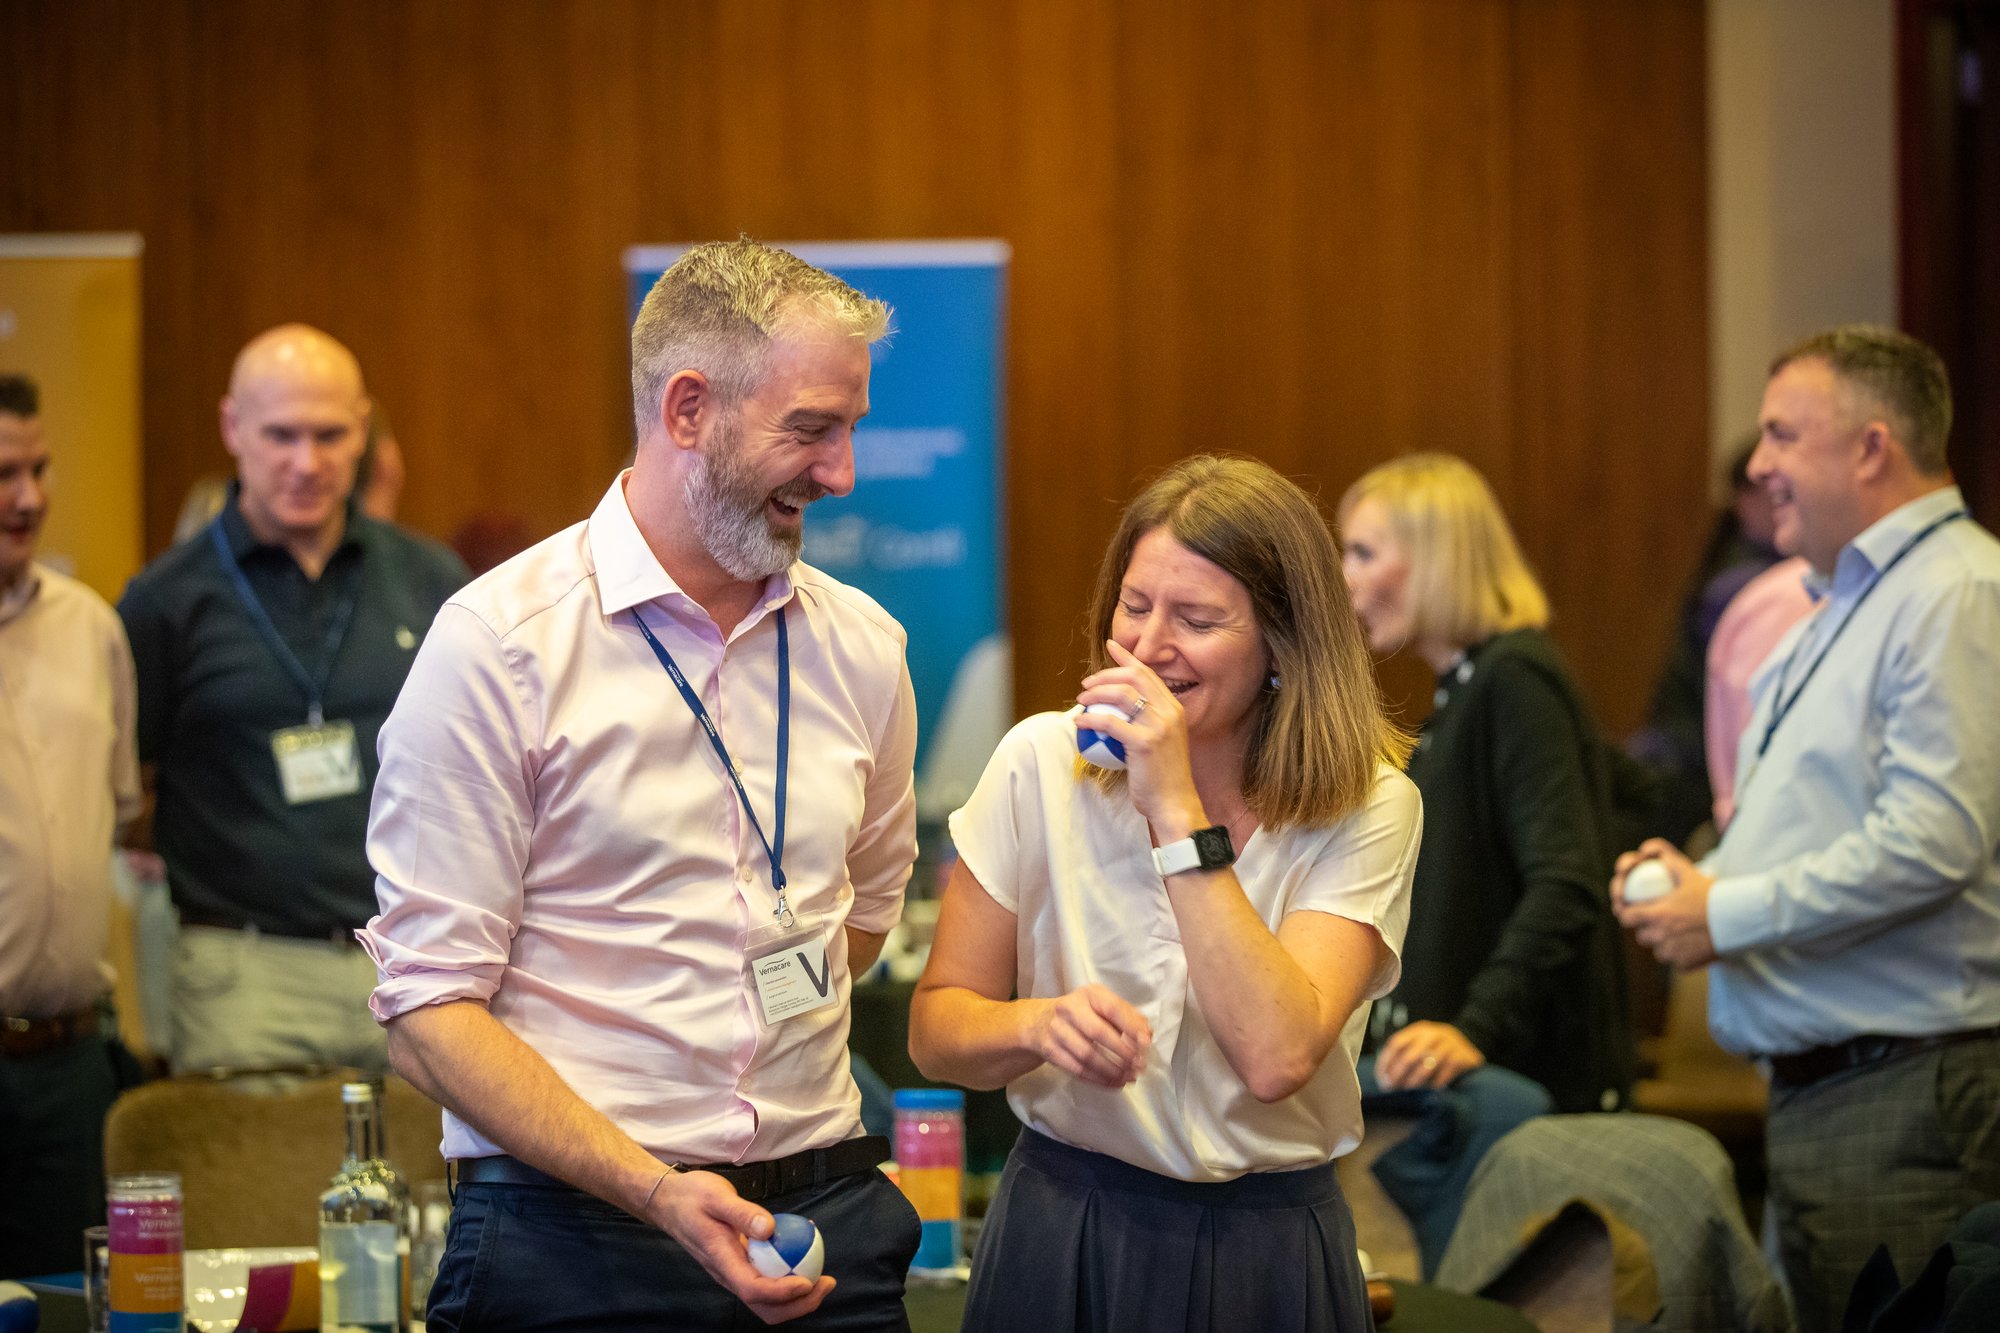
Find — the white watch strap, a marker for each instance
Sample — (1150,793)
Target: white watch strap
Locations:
(1175,857)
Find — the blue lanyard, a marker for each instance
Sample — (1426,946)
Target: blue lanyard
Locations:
(774,847)
(1782,705)
(314,687)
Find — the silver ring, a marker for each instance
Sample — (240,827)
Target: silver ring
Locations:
(1139,706)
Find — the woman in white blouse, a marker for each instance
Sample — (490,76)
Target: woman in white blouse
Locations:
(1167,967)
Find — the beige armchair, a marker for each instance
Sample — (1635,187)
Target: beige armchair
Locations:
(254,1149)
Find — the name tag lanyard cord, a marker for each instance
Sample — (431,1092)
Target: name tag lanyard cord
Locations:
(774,847)
(1783,706)
(343,615)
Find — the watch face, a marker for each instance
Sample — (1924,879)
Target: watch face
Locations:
(1212,845)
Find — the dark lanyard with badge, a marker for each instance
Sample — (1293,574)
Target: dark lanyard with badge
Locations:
(1782,706)
(784,961)
(321,759)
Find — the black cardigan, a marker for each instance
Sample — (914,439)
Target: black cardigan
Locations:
(1511,936)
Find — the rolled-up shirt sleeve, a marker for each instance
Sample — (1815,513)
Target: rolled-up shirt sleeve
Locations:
(451,820)
(885,846)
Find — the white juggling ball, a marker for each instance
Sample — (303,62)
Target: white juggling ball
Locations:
(1648,880)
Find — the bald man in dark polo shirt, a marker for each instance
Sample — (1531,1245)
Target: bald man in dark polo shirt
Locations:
(270,647)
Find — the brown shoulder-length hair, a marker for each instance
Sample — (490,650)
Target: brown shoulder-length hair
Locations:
(1322,730)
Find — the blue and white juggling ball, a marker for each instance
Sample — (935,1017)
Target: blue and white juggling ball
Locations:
(1100,747)
(794,1250)
(19,1311)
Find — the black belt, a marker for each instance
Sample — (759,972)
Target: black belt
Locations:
(1789,1072)
(755,1181)
(341,936)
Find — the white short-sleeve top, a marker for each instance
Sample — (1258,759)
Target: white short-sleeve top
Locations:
(1074,865)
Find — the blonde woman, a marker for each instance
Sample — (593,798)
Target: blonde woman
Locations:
(1167,967)
(1513,956)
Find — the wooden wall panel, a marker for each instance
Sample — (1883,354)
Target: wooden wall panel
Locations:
(1323,234)
(1604,473)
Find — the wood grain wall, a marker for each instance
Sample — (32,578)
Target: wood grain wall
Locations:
(1321,233)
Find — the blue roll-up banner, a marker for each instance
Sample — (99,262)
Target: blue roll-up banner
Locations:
(921,531)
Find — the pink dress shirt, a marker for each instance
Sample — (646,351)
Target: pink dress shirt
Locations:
(1749,628)
(554,835)
(69,777)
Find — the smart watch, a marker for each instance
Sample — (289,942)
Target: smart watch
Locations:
(1204,849)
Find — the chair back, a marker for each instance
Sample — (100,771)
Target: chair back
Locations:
(1681,1255)
(254,1149)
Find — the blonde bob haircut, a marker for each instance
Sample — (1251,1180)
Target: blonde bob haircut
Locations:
(1322,730)
(1468,580)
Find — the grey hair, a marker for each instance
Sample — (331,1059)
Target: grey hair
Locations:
(716,310)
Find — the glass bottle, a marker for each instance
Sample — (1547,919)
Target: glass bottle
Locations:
(363,1222)
(399,1191)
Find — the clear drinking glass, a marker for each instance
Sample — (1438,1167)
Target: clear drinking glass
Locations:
(433,1217)
(97,1278)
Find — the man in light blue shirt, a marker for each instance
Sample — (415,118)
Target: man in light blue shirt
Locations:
(1852,910)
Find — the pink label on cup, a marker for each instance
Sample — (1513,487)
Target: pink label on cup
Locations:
(145,1226)
(930,1141)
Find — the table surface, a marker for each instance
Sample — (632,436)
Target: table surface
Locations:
(61,1300)
(940,1307)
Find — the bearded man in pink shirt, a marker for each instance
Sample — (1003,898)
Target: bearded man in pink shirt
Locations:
(607,943)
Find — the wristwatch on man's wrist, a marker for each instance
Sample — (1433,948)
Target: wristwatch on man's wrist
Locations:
(1204,849)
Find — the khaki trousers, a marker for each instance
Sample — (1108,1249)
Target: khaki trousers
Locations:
(242,999)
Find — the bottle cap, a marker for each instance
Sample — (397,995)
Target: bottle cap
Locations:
(930,1099)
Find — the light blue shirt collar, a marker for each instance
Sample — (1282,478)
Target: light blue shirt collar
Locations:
(1881,541)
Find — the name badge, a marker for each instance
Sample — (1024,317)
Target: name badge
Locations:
(317,763)
(790,971)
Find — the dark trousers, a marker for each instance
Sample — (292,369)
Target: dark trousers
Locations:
(1893,1153)
(1427,1174)
(52,1110)
(529,1257)
(1077,1242)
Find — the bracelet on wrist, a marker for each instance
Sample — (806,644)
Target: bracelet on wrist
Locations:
(673,1169)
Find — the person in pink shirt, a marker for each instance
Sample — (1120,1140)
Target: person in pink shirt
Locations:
(1748,629)
(69,781)
(609,944)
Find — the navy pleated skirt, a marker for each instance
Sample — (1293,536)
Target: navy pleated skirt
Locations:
(1079,1241)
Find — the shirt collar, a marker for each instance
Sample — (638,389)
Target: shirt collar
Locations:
(629,574)
(22,595)
(242,541)
(1881,541)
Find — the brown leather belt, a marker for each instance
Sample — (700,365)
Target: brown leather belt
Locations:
(1789,1072)
(23,1037)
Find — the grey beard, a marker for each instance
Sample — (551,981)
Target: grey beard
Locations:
(729,520)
